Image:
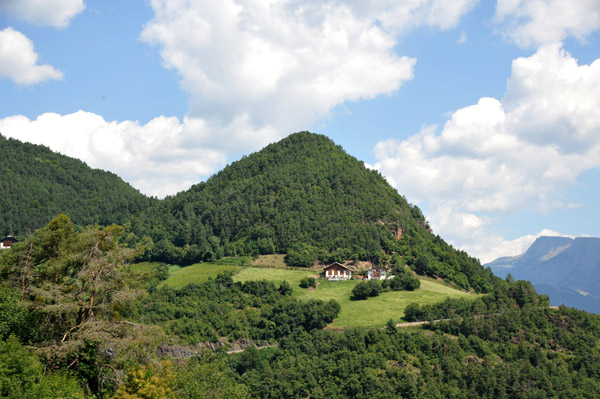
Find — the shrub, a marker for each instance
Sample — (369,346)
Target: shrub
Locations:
(307,282)
(361,290)
(405,281)
(410,282)
(366,289)
(285,288)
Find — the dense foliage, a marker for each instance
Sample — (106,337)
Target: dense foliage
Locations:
(221,308)
(306,197)
(37,184)
(302,191)
(64,294)
(303,196)
(76,320)
(403,281)
(556,358)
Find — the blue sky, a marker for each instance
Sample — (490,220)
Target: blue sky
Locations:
(485,114)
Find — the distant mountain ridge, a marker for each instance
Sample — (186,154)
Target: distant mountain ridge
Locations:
(566,269)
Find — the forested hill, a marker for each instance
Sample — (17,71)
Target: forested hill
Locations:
(306,197)
(37,184)
(303,196)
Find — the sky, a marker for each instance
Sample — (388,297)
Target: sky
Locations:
(485,114)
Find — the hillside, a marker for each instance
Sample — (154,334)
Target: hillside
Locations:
(306,197)
(566,269)
(81,318)
(303,196)
(78,320)
(38,184)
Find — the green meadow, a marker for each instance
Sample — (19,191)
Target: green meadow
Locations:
(376,311)
(276,275)
(197,273)
(373,312)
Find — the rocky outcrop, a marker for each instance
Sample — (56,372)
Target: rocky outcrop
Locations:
(175,352)
(181,352)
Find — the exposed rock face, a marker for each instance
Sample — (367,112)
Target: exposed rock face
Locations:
(399,233)
(175,352)
(223,341)
(241,344)
(181,352)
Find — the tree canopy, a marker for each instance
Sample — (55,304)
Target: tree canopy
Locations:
(37,184)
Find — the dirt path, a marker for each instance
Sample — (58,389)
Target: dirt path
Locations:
(413,323)
(257,347)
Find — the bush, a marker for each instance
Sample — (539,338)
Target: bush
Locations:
(405,281)
(410,282)
(361,290)
(285,288)
(366,289)
(413,312)
(307,282)
(375,287)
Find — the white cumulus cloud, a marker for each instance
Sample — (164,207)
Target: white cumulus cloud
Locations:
(18,60)
(254,70)
(538,22)
(496,157)
(56,13)
(282,65)
(162,157)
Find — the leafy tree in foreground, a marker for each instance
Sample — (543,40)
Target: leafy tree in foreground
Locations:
(207,378)
(148,382)
(74,287)
(22,376)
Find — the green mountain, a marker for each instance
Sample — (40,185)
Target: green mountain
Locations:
(80,318)
(38,184)
(303,196)
(306,197)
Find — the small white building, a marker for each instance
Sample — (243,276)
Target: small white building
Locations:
(377,273)
(336,271)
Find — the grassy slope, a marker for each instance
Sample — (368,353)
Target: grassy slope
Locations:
(197,273)
(276,275)
(276,261)
(374,312)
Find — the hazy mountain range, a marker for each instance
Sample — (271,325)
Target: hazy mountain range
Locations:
(566,269)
